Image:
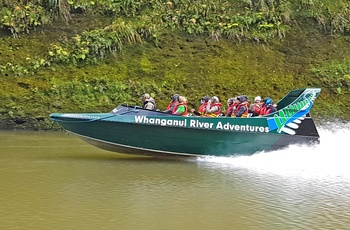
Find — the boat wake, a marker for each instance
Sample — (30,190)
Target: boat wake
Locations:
(330,158)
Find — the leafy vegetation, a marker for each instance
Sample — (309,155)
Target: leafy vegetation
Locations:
(65,55)
(96,44)
(336,74)
(239,20)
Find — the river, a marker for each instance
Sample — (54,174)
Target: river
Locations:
(52,180)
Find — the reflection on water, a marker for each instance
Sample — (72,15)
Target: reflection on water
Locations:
(55,181)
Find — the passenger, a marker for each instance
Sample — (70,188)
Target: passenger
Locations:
(231,106)
(181,107)
(267,107)
(255,107)
(172,104)
(203,105)
(213,108)
(242,108)
(148,102)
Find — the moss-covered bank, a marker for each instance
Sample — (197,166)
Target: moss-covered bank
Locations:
(192,66)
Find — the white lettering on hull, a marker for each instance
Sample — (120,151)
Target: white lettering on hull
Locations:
(200,124)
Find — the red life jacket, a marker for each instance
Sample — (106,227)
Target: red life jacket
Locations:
(256,108)
(202,108)
(185,113)
(186,109)
(171,104)
(244,104)
(217,113)
(230,108)
(265,110)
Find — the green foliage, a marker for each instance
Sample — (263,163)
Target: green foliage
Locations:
(22,18)
(148,57)
(236,19)
(332,15)
(31,67)
(96,44)
(84,94)
(146,65)
(90,94)
(111,7)
(336,75)
(222,19)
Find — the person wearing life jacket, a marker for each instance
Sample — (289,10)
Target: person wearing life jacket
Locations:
(148,102)
(242,108)
(213,108)
(172,104)
(267,107)
(231,105)
(203,105)
(255,107)
(181,107)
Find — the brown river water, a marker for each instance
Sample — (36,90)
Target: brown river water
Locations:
(53,180)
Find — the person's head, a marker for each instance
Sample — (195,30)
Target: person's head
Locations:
(145,97)
(257,99)
(182,99)
(175,97)
(215,99)
(242,98)
(268,101)
(230,101)
(204,99)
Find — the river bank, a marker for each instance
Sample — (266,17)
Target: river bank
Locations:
(192,66)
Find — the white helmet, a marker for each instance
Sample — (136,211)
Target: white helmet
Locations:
(257,98)
(215,99)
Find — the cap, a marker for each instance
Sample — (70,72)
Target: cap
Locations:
(206,98)
(231,100)
(257,98)
(175,97)
(145,96)
(242,98)
(215,99)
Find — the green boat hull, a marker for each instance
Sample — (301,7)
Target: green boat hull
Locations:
(133,130)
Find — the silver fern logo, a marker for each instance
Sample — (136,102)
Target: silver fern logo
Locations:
(288,119)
